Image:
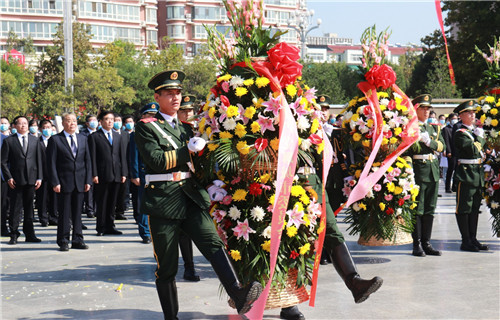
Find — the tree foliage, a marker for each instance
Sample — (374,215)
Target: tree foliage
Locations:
(439,82)
(16,83)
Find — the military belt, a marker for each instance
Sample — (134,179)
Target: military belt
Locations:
(429,156)
(174,176)
(306,170)
(470,161)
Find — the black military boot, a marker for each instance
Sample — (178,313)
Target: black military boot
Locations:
(360,288)
(416,235)
(291,313)
(167,292)
(427,221)
(186,246)
(243,297)
(473,220)
(463,226)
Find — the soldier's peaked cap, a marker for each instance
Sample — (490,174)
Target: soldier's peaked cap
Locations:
(150,107)
(465,106)
(170,79)
(188,102)
(323,100)
(423,100)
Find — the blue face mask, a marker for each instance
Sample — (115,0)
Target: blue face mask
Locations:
(99,127)
(4,127)
(47,132)
(93,124)
(129,126)
(13,131)
(33,130)
(117,125)
(442,122)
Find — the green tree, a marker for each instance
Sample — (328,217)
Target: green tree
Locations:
(201,75)
(16,94)
(22,45)
(438,80)
(404,70)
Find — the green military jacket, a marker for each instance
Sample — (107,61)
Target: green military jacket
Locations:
(167,199)
(427,170)
(468,146)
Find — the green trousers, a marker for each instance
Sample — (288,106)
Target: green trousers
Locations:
(333,236)
(468,198)
(198,226)
(427,197)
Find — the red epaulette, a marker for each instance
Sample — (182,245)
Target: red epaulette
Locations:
(148,120)
(188,123)
(462,130)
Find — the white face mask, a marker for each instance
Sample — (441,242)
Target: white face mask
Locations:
(454,121)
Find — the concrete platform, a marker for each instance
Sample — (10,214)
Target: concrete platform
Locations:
(39,282)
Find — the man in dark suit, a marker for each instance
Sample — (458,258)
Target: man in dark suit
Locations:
(448,139)
(22,168)
(109,170)
(5,190)
(123,190)
(91,124)
(69,168)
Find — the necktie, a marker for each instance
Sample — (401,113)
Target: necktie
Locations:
(110,138)
(73,145)
(25,145)
(174,123)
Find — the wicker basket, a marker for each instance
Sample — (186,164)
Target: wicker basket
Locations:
(400,237)
(287,296)
(249,169)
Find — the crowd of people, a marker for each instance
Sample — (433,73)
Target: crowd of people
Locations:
(115,159)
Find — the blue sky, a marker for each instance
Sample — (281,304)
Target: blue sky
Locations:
(409,20)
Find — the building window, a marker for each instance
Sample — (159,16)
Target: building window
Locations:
(52,4)
(175,31)
(94,7)
(104,8)
(30,4)
(151,15)
(175,12)
(199,32)
(206,13)
(152,36)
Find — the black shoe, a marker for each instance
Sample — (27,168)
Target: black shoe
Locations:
(440,195)
(13,240)
(479,245)
(291,313)
(33,239)
(52,223)
(323,261)
(190,275)
(79,245)
(417,251)
(120,216)
(44,224)
(449,191)
(90,215)
(84,227)
(64,247)
(469,247)
(113,231)
(146,240)
(99,234)
(429,250)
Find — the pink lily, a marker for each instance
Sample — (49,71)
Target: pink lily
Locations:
(243,230)
(265,124)
(295,217)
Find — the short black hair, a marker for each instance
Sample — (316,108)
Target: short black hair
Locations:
(17,118)
(87,118)
(104,113)
(117,115)
(45,121)
(127,116)
(32,122)
(451,115)
(5,118)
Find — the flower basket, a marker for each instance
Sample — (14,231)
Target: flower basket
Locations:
(286,295)
(400,237)
(251,167)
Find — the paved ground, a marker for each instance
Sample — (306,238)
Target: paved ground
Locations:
(39,282)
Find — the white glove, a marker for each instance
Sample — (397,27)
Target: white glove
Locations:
(424,137)
(479,132)
(196,144)
(218,183)
(216,193)
(487,168)
(328,129)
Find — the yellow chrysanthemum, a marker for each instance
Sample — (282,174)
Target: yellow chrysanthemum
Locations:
(240,130)
(390,169)
(305,199)
(275,144)
(255,126)
(385,141)
(305,248)
(242,147)
(314,126)
(236,255)
(258,103)
(201,125)
(240,195)
(400,165)
(225,135)
(291,231)
(248,82)
(297,191)
(382,94)
(206,106)
(366,143)
(494,122)
(241,91)
(271,199)
(291,90)
(482,118)
(265,178)
(262,82)
(494,111)
(362,206)
(369,123)
(320,147)
(249,112)
(413,205)
(208,131)
(225,77)
(357,173)
(398,131)
(398,190)
(393,140)
(232,111)
(489,99)
(211,112)
(383,107)
(390,186)
(266,246)
(381,206)
(212,146)
(356,136)
(298,206)
(355,117)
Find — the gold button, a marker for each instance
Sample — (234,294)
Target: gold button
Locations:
(180,183)
(152,186)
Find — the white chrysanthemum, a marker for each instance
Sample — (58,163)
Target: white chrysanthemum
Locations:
(305,144)
(486,108)
(257,213)
(388,114)
(229,124)
(399,211)
(384,101)
(493,133)
(236,81)
(303,123)
(404,121)
(386,128)
(494,205)
(234,213)
(487,121)
(348,115)
(370,194)
(396,95)
(363,129)
(392,123)
(267,232)
(356,207)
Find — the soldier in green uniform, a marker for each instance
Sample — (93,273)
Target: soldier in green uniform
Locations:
(426,167)
(186,110)
(175,202)
(469,175)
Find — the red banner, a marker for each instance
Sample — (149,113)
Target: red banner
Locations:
(440,20)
